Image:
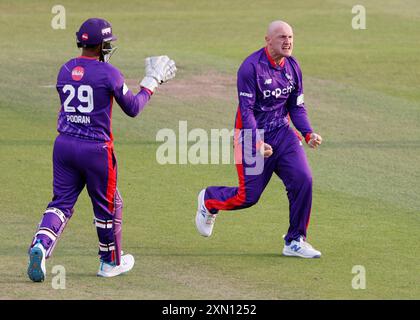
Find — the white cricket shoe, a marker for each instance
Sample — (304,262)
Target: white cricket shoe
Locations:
(110,270)
(300,249)
(36,267)
(204,220)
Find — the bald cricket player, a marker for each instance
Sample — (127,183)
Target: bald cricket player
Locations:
(83,152)
(270,92)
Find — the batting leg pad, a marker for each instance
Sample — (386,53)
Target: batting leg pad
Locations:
(117,227)
(50,228)
(106,239)
(110,232)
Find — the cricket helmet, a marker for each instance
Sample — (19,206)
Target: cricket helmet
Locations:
(96,31)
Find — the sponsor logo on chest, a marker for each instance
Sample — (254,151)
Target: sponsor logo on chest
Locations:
(281,85)
(278,92)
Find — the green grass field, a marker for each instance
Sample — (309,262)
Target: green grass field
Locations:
(363,97)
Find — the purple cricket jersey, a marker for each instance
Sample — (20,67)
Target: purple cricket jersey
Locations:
(268,93)
(87,87)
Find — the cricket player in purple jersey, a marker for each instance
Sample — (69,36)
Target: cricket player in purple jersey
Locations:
(83,151)
(270,91)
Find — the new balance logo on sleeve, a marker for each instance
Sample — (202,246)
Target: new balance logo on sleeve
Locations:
(300,100)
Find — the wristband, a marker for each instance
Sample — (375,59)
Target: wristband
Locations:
(308,137)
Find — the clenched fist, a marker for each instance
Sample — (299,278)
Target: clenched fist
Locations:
(266,150)
(314,140)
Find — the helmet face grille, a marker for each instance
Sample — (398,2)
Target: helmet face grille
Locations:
(107,51)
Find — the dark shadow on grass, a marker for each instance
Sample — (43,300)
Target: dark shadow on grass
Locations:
(404,144)
(24,280)
(216,254)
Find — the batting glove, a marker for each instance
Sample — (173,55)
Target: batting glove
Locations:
(159,69)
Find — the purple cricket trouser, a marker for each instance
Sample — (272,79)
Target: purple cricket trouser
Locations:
(289,163)
(78,162)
